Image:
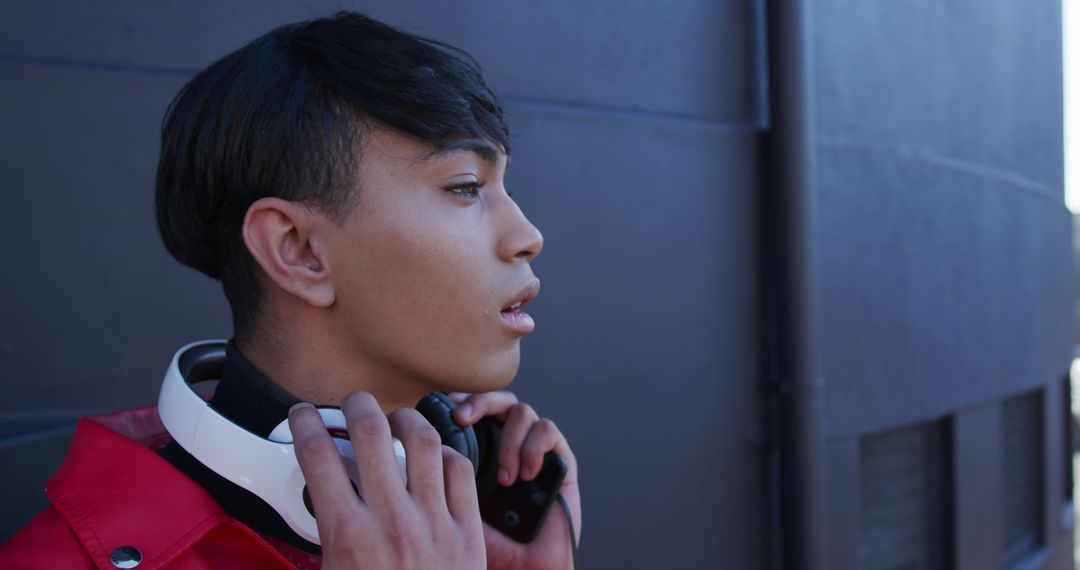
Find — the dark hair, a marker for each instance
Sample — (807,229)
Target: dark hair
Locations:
(284,116)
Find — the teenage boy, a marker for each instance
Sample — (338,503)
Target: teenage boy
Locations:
(344,182)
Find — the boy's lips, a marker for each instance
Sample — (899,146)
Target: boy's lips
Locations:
(512,314)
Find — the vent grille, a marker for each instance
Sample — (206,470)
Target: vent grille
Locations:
(1022,455)
(905,499)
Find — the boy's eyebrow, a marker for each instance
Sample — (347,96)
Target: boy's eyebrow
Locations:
(481,148)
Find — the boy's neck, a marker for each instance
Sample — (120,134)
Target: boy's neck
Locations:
(321,374)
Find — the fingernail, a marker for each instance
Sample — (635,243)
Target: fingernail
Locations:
(504,477)
(466,411)
(298,406)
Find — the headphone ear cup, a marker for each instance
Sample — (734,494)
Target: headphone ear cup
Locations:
(488,432)
(437,408)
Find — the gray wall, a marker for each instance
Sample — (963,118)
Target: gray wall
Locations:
(635,134)
(944,261)
(945,264)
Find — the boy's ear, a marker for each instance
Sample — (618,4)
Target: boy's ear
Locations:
(283,239)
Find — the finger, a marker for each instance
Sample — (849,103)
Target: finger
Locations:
(498,544)
(519,420)
(423,448)
(460,482)
(328,484)
(569,488)
(542,437)
(376,463)
(478,406)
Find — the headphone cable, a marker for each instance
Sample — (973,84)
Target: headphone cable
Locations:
(570,525)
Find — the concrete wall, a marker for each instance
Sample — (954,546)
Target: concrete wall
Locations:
(946,272)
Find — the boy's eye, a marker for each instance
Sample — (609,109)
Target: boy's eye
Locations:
(468,190)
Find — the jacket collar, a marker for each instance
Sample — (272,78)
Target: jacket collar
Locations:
(114,491)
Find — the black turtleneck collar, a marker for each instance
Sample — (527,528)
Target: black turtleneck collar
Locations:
(253,401)
(248,397)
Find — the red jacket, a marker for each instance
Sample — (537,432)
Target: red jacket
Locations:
(113,491)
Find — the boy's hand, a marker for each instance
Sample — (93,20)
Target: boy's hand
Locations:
(525,439)
(434,522)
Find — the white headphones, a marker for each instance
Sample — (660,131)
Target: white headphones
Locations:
(266,467)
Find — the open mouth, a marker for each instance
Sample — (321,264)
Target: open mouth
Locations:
(512,314)
(516,307)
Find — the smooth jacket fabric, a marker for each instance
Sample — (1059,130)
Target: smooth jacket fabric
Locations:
(114,491)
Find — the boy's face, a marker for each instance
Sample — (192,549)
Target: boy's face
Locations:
(427,263)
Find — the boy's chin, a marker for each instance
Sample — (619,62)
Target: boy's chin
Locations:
(486,380)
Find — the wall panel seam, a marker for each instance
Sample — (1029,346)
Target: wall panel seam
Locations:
(26,438)
(1018,181)
(751,124)
(87,65)
(629,113)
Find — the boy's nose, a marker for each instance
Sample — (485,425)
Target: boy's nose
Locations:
(521,240)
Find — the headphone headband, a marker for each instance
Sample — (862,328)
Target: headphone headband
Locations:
(264,467)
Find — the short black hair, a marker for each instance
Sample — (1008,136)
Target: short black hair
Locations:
(284,116)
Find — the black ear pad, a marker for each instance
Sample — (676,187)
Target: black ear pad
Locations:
(437,408)
(488,433)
